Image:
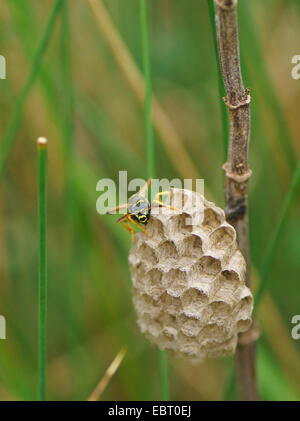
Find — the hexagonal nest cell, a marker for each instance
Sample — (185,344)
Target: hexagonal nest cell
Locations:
(189,288)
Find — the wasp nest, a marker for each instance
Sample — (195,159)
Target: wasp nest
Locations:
(189,288)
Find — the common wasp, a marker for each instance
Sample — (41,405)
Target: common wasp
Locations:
(138,209)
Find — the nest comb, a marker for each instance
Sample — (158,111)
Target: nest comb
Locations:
(189,288)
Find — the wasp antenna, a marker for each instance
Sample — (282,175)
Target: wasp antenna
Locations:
(117,208)
(145,188)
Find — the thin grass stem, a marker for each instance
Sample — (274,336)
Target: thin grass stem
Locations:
(147,76)
(42,222)
(74,331)
(222,93)
(229,387)
(163,364)
(68,98)
(109,373)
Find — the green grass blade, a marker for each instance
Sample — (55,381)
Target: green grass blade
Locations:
(42,220)
(224,116)
(146,63)
(25,18)
(250,38)
(276,235)
(273,382)
(68,105)
(14,123)
(107,142)
(230,389)
(66,116)
(163,365)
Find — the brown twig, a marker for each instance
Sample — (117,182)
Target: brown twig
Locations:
(236,169)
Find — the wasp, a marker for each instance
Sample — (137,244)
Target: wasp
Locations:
(138,209)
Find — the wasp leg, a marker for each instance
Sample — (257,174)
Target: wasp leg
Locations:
(115,209)
(161,205)
(157,200)
(137,224)
(162,193)
(144,189)
(128,228)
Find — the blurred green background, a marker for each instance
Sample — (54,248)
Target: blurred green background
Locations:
(82,102)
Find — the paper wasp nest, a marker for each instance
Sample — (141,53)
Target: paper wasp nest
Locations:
(189,288)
